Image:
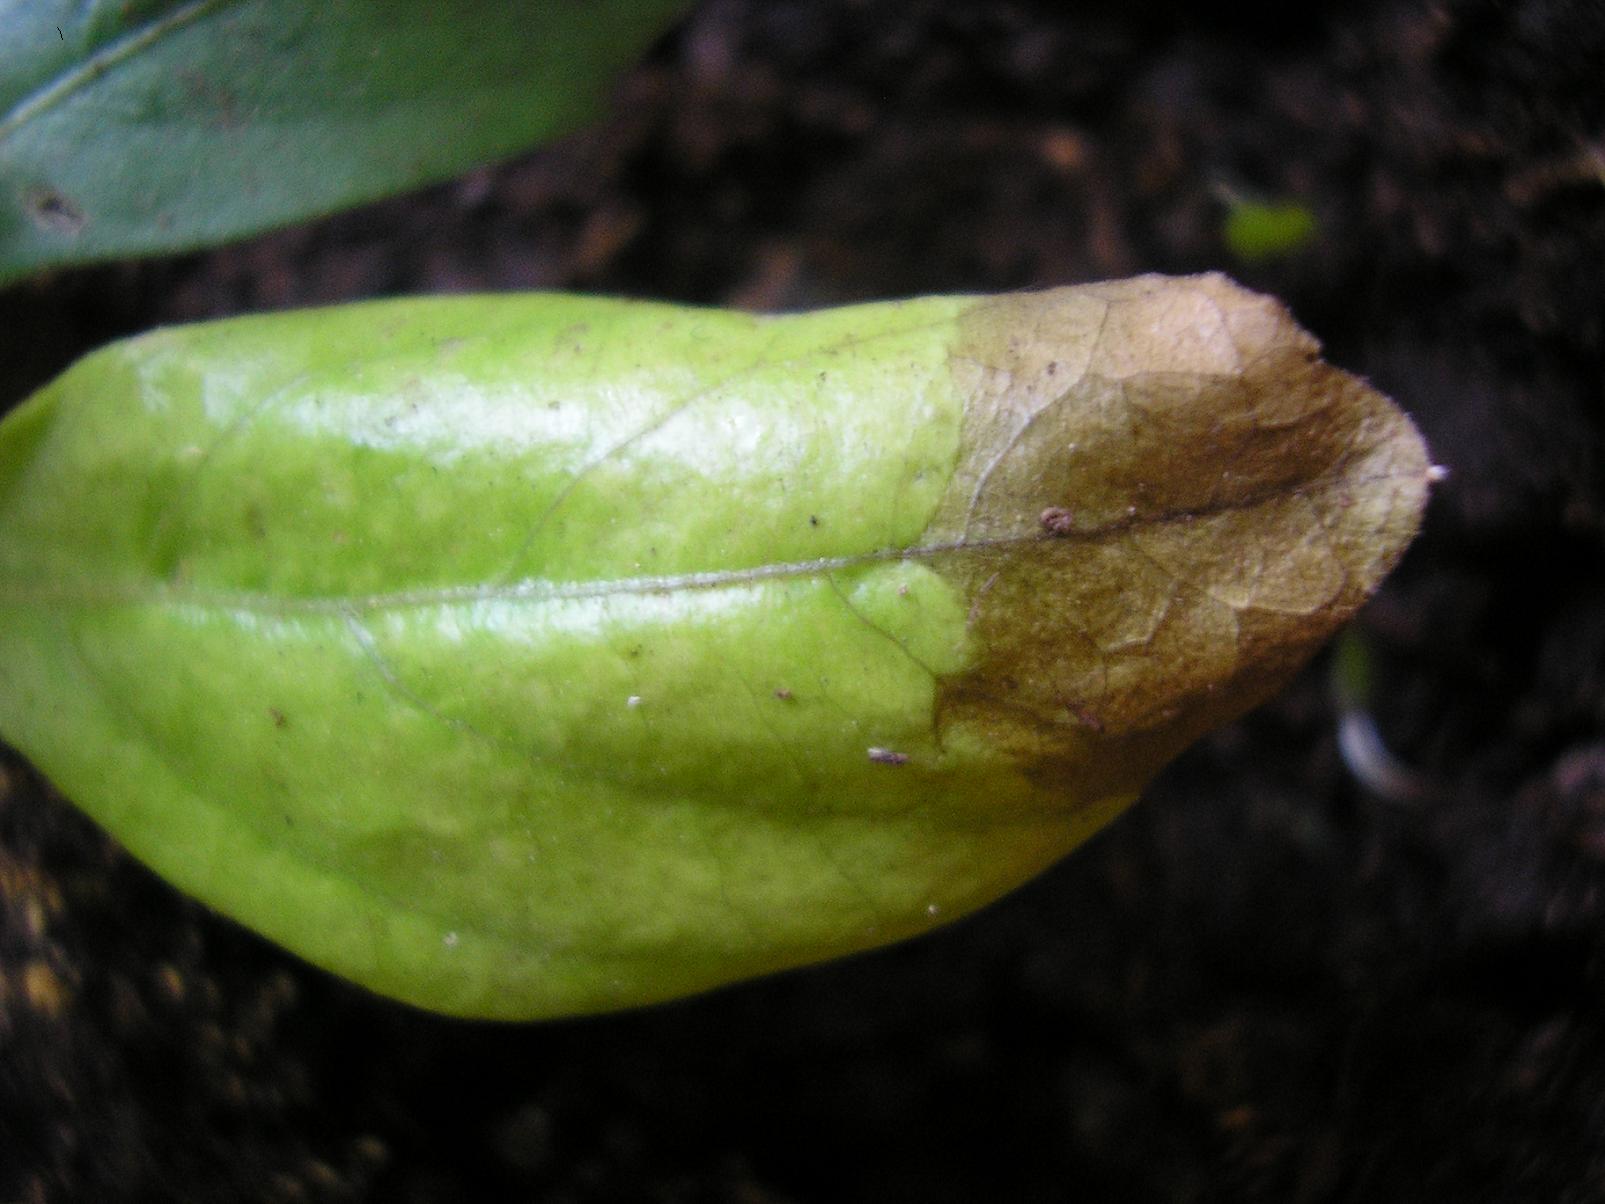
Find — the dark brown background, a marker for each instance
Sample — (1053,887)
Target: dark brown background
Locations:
(1265,983)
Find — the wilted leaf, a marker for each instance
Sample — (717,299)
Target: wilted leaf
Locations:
(128,128)
(528,655)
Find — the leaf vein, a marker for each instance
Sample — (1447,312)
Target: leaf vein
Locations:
(102,62)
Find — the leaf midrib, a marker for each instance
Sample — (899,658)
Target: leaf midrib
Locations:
(532,590)
(101,62)
(541,589)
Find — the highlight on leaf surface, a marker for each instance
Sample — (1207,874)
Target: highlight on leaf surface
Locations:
(530,655)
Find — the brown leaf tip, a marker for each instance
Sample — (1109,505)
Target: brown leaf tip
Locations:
(1233,500)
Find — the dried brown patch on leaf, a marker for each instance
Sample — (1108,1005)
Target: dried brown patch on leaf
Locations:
(1235,500)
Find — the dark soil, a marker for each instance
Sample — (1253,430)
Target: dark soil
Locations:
(1267,982)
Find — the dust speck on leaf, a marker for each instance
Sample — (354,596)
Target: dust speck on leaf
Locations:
(53,212)
(1056,520)
(1086,718)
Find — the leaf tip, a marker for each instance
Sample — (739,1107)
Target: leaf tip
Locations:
(1220,501)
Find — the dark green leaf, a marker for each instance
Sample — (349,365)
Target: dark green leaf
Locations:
(128,129)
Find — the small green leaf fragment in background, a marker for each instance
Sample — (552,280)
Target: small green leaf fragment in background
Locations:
(1351,675)
(532,655)
(1256,231)
(132,129)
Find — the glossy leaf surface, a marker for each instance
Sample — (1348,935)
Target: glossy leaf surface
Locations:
(519,656)
(132,128)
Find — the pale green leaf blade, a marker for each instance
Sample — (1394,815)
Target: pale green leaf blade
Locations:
(536,655)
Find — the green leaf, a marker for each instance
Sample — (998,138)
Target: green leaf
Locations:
(129,129)
(1256,231)
(520,656)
